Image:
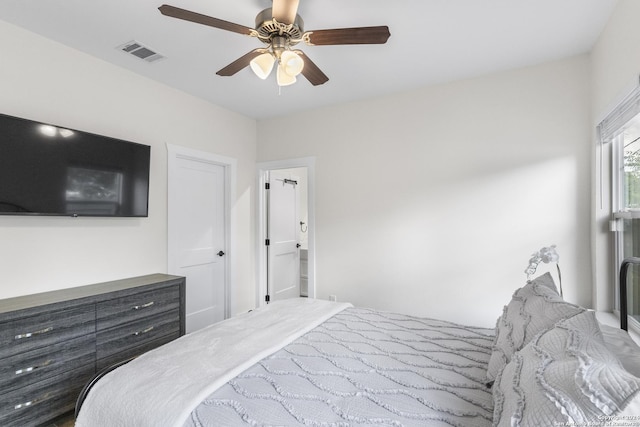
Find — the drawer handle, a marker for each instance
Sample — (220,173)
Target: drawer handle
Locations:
(30,334)
(144,331)
(32,402)
(138,307)
(25,404)
(33,368)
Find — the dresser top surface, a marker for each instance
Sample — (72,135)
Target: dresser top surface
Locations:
(82,292)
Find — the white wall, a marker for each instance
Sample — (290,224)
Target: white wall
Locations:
(456,183)
(615,70)
(431,202)
(46,81)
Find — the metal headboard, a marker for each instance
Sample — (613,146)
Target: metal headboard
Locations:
(623,289)
(87,387)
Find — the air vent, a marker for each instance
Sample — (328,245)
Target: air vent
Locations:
(140,51)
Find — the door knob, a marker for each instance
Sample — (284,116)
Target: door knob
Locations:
(220,253)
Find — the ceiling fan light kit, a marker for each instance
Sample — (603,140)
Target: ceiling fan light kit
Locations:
(283,78)
(280,28)
(290,64)
(262,65)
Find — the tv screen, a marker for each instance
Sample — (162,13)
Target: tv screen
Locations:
(51,170)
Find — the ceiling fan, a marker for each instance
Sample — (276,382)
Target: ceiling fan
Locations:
(279,28)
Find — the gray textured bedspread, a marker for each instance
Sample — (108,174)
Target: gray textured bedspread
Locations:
(363,367)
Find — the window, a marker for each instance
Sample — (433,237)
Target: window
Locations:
(622,129)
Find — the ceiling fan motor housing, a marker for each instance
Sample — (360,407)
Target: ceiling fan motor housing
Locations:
(267,28)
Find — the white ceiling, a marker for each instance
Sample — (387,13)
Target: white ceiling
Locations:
(432,41)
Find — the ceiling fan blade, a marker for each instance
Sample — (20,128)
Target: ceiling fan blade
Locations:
(176,12)
(311,71)
(240,63)
(359,35)
(284,11)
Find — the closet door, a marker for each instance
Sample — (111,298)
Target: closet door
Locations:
(197,237)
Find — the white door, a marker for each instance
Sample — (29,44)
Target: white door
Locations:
(282,229)
(197,237)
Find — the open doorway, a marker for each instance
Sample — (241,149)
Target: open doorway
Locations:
(286,244)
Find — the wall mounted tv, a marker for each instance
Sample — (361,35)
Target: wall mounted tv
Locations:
(52,170)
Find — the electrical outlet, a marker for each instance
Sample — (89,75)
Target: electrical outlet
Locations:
(333,298)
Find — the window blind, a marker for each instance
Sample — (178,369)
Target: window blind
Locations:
(613,124)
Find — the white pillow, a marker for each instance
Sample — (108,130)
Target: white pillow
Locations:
(534,308)
(624,347)
(547,280)
(565,376)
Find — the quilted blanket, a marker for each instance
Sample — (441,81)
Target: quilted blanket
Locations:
(162,387)
(363,367)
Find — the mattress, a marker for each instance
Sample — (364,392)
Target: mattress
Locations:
(312,362)
(363,367)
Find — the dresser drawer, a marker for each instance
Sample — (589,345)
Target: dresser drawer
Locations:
(44,400)
(49,341)
(43,330)
(123,310)
(45,362)
(136,334)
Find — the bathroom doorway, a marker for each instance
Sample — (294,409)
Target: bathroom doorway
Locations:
(286,244)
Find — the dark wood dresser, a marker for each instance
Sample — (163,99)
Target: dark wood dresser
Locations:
(52,343)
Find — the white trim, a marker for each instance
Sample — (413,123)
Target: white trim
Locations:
(627,214)
(261,259)
(230,167)
(602,245)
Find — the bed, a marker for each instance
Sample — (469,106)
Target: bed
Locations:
(313,362)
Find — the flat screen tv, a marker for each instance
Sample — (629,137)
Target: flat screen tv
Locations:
(51,170)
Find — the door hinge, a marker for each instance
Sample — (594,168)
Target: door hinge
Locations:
(266,298)
(266,242)
(267,186)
